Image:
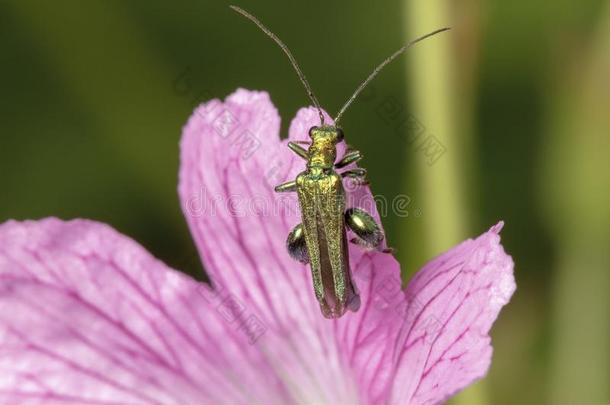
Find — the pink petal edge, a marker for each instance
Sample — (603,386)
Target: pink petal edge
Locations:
(452,303)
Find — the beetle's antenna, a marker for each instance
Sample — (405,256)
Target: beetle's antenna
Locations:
(381,66)
(287,52)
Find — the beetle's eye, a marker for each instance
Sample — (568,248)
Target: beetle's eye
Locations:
(311,132)
(339,135)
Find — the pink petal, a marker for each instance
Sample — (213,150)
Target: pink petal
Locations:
(448,309)
(244,252)
(232,158)
(88,316)
(367,337)
(240,226)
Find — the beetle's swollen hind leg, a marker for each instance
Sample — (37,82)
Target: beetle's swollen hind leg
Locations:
(295,243)
(368,233)
(286,187)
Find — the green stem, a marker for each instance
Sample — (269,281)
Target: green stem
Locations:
(441,181)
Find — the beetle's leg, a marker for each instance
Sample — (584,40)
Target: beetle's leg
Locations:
(299,150)
(365,246)
(351,156)
(364,226)
(358,174)
(295,243)
(286,187)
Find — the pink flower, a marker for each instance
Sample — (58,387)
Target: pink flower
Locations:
(88,316)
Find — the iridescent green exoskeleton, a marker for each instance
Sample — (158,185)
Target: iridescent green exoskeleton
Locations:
(321,238)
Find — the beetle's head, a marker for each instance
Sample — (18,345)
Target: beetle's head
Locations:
(326,134)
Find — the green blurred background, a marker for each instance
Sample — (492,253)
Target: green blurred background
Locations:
(517,96)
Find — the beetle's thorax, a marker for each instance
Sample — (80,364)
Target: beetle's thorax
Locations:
(323,149)
(322,154)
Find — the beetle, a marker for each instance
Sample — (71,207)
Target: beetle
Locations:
(320,240)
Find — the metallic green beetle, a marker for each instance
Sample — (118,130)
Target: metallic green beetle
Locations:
(321,238)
